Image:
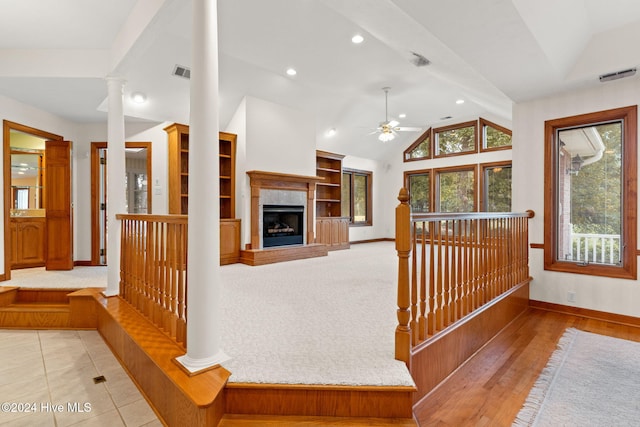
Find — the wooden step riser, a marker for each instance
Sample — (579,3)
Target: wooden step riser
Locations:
(32,318)
(316,401)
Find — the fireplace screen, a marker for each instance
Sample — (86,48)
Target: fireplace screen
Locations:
(282,225)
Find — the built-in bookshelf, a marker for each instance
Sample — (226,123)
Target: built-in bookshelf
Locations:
(331,228)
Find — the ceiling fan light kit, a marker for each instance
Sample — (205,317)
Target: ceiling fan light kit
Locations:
(388,128)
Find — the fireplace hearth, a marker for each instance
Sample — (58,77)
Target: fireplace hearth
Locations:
(282,225)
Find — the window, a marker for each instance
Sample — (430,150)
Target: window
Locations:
(494,137)
(356,196)
(456,139)
(419,185)
(590,193)
(419,150)
(456,189)
(496,187)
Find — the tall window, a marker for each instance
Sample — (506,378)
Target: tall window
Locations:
(496,187)
(590,193)
(356,196)
(419,185)
(456,189)
(421,149)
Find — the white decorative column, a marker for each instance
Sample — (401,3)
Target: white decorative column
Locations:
(203,268)
(116,202)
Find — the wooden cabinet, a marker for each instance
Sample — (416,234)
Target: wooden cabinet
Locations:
(27,242)
(178,158)
(332,229)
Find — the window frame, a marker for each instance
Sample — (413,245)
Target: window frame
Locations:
(482,123)
(483,184)
(434,139)
(429,172)
(416,143)
(369,205)
(628,269)
(460,168)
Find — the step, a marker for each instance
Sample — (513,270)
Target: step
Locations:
(35,315)
(233,420)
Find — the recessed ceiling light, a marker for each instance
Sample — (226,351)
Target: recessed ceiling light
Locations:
(460,101)
(402,115)
(138,97)
(331,132)
(291,72)
(357,39)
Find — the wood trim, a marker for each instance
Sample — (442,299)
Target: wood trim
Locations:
(280,181)
(426,134)
(95,191)
(536,245)
(628,270)
(620,319)
(473,124)
(7,127)
(481,179)
(481,124)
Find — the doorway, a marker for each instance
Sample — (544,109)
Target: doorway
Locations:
(138,198)
(26,218)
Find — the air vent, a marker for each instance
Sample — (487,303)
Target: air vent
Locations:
(617,75)
(182,71)
(446,118)
(419,60)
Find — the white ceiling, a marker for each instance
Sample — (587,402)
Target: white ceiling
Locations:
(491,53)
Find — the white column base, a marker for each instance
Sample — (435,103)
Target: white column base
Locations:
(110,293)
(197,365)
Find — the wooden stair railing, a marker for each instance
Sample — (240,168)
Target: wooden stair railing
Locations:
(452,264)
(153,270)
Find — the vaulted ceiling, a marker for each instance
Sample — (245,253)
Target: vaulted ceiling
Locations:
(489,53)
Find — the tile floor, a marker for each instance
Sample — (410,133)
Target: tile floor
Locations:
(47,379)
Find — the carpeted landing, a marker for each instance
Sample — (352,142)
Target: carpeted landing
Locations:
(327,320)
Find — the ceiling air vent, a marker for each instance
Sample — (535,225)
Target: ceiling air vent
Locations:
(182,71)
(419,60)
(617,75)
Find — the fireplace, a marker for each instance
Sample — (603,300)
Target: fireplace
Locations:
(282,225)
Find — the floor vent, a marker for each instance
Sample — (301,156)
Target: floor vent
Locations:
(182,71)
(100,379)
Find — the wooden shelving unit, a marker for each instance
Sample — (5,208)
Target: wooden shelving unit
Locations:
(178,158)
(331,228)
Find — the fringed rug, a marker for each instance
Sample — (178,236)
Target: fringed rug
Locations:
(590,380)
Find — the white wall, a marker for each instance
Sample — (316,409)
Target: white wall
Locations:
(596,293)
(271,138)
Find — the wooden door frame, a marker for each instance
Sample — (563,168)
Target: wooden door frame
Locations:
(95,191)
(8,126)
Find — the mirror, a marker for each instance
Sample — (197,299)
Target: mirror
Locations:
(27,175)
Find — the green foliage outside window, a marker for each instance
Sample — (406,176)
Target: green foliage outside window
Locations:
(494,138)
(457,191)
(458,140)
(498,189)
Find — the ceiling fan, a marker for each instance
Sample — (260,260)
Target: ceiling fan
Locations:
(388,128)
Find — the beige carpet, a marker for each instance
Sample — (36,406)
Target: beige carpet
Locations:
(591,380)
(326,320)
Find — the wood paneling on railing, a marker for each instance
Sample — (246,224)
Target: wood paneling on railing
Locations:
(451,265)
(153,270)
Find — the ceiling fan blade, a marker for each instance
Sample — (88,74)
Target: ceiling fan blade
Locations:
(407,129)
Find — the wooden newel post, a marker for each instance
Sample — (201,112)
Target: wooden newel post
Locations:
(403,247)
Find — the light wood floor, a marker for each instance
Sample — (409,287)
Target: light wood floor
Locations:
(490,388)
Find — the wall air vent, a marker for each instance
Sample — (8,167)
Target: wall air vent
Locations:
(182,71)
(617,75)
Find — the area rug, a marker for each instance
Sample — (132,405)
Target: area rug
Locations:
(590,380)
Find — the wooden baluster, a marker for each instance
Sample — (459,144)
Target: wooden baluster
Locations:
(413,325)
(491,261)
(123,291)
(446,284)
(403,248)
(422,321)
(431,318)
(460,271)
(181,251)
(453,278)
(468,306)
(439,280)
(479,264)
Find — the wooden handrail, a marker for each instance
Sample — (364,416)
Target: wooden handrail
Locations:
(153,269)
(450,264)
